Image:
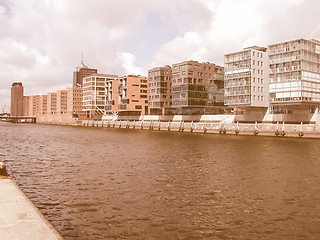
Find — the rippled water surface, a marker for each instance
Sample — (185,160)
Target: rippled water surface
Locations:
(94,183)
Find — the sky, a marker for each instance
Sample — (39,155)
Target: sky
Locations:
(41,41)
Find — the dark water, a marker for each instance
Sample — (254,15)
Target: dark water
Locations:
(94,183)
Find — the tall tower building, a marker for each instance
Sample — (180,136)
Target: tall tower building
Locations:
(16,99)
(81,73)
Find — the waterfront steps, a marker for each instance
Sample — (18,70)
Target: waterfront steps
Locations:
(20,219)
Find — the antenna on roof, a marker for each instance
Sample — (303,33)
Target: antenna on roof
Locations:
(82,60)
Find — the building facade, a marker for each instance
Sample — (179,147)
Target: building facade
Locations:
(95,95)
(197,88)
(111,96)
(17,99)
(82,73)
(295,80)
(160,87)
(132,95)
(246,81)
(74,101)
(62,98)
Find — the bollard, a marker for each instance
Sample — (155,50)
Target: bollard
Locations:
(134,124)
(282,130)
(237,128)
(182,126)
(142,124)
(3,170)
(108,124)
(301,130)
(169,126)
(151,125)
(191,127)
(255,129)
(277,133)
(127,126)
(120,124)
(159,127)
(205,128)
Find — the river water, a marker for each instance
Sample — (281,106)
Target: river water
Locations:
(94,183)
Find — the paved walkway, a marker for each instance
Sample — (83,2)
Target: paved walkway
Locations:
(19,218)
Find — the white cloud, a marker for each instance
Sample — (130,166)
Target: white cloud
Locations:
(41,40)
(128,61)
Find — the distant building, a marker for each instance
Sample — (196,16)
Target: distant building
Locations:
(160,87)
(16,99)
(43,104)
(94,95)
(133,95)
(82,73)
(246,79)
(74,101)
(62,97)
(52,103)
(197,88)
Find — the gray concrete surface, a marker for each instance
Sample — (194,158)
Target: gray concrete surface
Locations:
(19,218)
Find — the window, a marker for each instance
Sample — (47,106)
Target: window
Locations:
(261,72)
(261,80)
(261,64)
(258,71)
(253,62)
(261,98)
(261,89)
(254,79)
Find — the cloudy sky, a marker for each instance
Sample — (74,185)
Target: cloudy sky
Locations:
(41,40)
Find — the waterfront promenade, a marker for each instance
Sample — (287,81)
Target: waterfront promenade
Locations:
(261,129)
(20,219)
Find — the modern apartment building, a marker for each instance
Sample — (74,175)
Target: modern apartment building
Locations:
(112,96)
(62,97)
(27,111)
(52,103)
(294,75)
(197,88)
(95,95)
(160,87)
(74,101)
(133,95)
(43,104)
(246,78)
(17,99)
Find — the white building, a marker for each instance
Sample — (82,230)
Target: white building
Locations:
(246,78)
(95,94)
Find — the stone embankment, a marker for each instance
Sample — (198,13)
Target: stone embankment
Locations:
(262,129)
(20,218)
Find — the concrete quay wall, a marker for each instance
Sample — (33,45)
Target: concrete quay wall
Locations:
(263,129)
(20,219)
